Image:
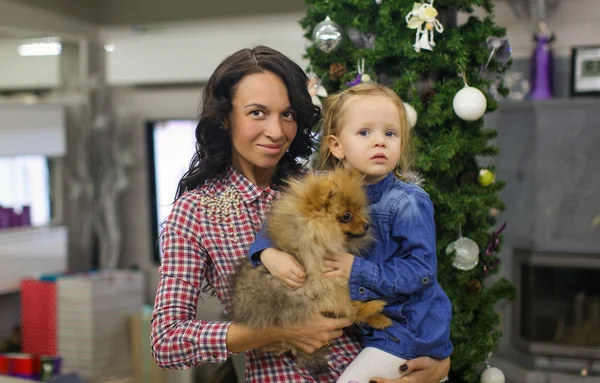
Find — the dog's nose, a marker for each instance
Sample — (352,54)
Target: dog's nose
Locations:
(366,226)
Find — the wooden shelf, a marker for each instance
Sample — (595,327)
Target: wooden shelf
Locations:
(30,252)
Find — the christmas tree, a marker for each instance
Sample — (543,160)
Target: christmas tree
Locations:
(422,53)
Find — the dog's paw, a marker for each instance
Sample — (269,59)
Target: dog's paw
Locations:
(368,309)
(379,321)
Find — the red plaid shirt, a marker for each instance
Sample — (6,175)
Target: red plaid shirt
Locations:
(201,246)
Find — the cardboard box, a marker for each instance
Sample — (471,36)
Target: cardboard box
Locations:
(145,369)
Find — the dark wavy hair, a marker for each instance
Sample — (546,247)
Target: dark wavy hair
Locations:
(213,145)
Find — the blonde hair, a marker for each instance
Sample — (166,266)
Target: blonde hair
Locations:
(332,121)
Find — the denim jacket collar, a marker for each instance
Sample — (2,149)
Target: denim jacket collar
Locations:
(375,191)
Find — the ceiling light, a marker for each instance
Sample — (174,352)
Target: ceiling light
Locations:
(44,47)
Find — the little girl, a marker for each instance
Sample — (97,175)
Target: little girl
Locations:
(365,128)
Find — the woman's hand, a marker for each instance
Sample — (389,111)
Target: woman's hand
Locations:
(420,370)
(314,333)
(284,267)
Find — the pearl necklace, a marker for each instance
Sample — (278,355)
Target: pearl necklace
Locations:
(224,208)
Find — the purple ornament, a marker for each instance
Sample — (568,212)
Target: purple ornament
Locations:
(542,63)
(356,81)
(494,240)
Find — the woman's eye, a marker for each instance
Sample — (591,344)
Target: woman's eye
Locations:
(346,218)
(289,116)
(257,113)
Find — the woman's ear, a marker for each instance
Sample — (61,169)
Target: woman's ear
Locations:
(335,147)
(225,124)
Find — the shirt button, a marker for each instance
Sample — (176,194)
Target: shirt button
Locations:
(361,290)
(425,280)
(214,356)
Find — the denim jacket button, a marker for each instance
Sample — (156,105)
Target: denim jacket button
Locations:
(425,280)
(361,290)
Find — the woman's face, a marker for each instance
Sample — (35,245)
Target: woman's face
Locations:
(262,124)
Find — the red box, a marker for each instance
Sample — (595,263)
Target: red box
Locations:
(3,365)
(38,317)
(21,365)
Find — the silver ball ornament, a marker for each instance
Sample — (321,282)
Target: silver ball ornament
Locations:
(327,35)
(466,254)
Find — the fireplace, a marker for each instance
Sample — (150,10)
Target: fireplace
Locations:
(558,309)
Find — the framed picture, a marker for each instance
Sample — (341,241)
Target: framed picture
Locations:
(585,71)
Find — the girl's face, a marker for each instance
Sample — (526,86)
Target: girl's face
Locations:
(369,138)
(261,124)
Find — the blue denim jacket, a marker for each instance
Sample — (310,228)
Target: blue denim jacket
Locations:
(400,268)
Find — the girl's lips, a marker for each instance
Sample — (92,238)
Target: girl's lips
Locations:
(379,156)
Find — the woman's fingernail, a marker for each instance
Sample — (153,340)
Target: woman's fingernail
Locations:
(372,381)
(404,367)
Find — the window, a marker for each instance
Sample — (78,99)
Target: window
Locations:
(171,147)
(24,191)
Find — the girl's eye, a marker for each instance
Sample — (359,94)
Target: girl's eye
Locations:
(391,133)
(363,132)
(289,116)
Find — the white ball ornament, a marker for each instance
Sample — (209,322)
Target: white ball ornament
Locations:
(411,115)
(469,103)
(492,375)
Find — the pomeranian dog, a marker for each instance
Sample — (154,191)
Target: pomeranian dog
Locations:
(320,214)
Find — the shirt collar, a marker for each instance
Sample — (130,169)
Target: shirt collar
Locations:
(375,191)
(248,191)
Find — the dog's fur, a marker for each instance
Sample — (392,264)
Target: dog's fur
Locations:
(320,214)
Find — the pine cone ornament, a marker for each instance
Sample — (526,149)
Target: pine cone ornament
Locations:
(474,286)
(336,71)
(426,96)
(468,178)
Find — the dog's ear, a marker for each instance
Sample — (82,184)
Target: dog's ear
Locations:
(320,192)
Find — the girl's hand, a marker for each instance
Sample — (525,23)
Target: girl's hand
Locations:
(284,267)
(420,370)
(314,333)
(338,265)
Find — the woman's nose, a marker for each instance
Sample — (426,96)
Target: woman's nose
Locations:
(274,130)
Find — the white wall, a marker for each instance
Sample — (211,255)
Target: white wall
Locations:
(17,16)
(189,52)
(32,129)
(31,72)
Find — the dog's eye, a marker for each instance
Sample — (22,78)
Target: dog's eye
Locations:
(346,218)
